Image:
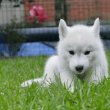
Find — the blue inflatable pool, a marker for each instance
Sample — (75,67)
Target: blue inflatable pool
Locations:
(29,49)
(33,49)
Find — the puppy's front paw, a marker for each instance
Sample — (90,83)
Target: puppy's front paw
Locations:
(26,83)
(71,89)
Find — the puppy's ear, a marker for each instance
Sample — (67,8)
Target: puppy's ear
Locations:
(96,27)
(62,29)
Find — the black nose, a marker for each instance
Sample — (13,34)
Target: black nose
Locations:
(79,68)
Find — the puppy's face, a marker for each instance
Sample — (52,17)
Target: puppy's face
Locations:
(80,56)
(78,46)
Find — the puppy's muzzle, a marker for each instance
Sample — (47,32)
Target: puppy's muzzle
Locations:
(79,68)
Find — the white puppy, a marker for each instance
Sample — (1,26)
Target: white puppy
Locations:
(80,55)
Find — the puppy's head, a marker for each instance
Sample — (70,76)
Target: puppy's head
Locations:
(79,45)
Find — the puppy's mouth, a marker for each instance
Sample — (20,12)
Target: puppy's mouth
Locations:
(79,72)
(81,76)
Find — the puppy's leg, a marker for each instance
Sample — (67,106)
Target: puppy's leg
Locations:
(48,77)
(98,74)
(67,80)
(29,82)
(45,80)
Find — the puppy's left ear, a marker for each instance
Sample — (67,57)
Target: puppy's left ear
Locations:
(96,27)
(62,29)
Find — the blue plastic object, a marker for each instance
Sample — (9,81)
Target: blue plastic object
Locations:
(33,49)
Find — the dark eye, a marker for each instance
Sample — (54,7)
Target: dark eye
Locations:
(87,52)
(71,52)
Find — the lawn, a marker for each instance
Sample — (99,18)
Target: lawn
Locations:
(13,71)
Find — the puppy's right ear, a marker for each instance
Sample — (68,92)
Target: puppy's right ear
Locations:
(96,27)
(62,29)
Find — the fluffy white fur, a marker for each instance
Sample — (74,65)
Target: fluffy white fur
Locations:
(80,55)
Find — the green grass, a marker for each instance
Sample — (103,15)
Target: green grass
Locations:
(14,71)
